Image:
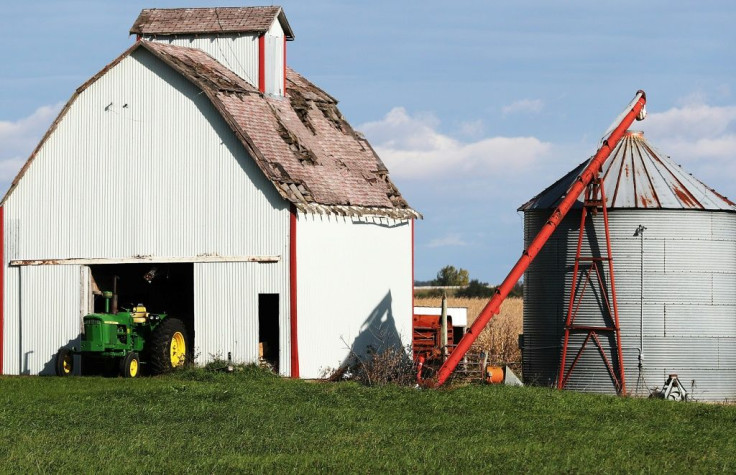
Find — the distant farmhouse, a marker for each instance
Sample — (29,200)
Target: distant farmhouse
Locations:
(199,160)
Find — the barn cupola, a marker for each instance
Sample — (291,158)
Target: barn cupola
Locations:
(251,41)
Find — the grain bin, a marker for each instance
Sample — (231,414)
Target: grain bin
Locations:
(674,251)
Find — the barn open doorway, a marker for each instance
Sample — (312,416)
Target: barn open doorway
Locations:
(161,288)
(268,329)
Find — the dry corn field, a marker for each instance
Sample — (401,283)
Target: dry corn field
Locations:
(500,337)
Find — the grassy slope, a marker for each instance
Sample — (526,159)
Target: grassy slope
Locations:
(251,421)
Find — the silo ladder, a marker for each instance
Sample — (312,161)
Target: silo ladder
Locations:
(590,275)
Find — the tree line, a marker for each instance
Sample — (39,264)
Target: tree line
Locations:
(450,276)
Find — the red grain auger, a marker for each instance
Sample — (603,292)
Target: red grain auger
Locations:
(588,177)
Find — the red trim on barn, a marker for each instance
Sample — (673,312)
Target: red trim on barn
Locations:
(412,267)
(262,63)
(292,295)
(2,285)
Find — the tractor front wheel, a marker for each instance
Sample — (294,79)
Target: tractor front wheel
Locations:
(168,346)
(130,365)
(64,362)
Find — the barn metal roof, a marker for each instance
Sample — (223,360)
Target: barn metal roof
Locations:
(636,175)
(198,21)
(301,142)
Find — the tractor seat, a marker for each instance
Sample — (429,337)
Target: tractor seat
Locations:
(139,314)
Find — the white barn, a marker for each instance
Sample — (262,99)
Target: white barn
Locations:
(199,159)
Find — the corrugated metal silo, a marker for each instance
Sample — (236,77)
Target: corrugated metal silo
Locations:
(675,280)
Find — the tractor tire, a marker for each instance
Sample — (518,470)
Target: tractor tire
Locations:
(64,364)
(130,365)
(168,347)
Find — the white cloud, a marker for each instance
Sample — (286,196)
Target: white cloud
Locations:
(699,136)
(694,131)
(473,128)
(19,138)
(524,106)
(722,148)
(692,122)
(412,147)
(452,239)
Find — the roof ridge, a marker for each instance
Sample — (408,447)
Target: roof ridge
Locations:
(209,20)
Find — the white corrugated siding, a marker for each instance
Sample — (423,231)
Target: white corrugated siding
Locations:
(141,164)
(689,301)
(157,173)
(354,287)
(226,309)
(46,304)
(237,52)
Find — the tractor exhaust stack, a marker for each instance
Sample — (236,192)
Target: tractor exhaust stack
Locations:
(115,295)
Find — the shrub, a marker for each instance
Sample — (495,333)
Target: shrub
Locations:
(476,289)
(517,291)
(428,293)
(378,368)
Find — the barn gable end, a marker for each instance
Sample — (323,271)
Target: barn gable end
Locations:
(141,164)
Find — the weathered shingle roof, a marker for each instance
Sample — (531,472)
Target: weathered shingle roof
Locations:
(300,142)
(198,21)
(636,175)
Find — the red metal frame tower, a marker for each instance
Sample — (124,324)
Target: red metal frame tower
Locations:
(592,274)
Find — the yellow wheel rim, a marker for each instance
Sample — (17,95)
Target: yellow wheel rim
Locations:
(178,350)
(66,364)
(133,369)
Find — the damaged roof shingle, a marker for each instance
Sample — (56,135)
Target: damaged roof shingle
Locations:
(301,142)
(200,68)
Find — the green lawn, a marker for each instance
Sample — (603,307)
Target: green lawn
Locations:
(254,422)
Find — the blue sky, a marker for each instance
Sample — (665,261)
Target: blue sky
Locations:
(475,106)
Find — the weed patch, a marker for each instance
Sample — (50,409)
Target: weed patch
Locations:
(391,365)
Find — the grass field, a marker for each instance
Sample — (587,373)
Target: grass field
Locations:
(252,421)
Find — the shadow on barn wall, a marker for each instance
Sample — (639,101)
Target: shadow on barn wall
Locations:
(377,333)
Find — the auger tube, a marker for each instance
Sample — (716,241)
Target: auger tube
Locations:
(635,111)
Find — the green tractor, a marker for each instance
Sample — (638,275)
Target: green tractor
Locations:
(128,339)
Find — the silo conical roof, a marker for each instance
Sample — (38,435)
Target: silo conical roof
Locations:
(636,175)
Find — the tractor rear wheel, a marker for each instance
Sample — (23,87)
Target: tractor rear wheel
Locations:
(64,362)
(168,348)
(130,365)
